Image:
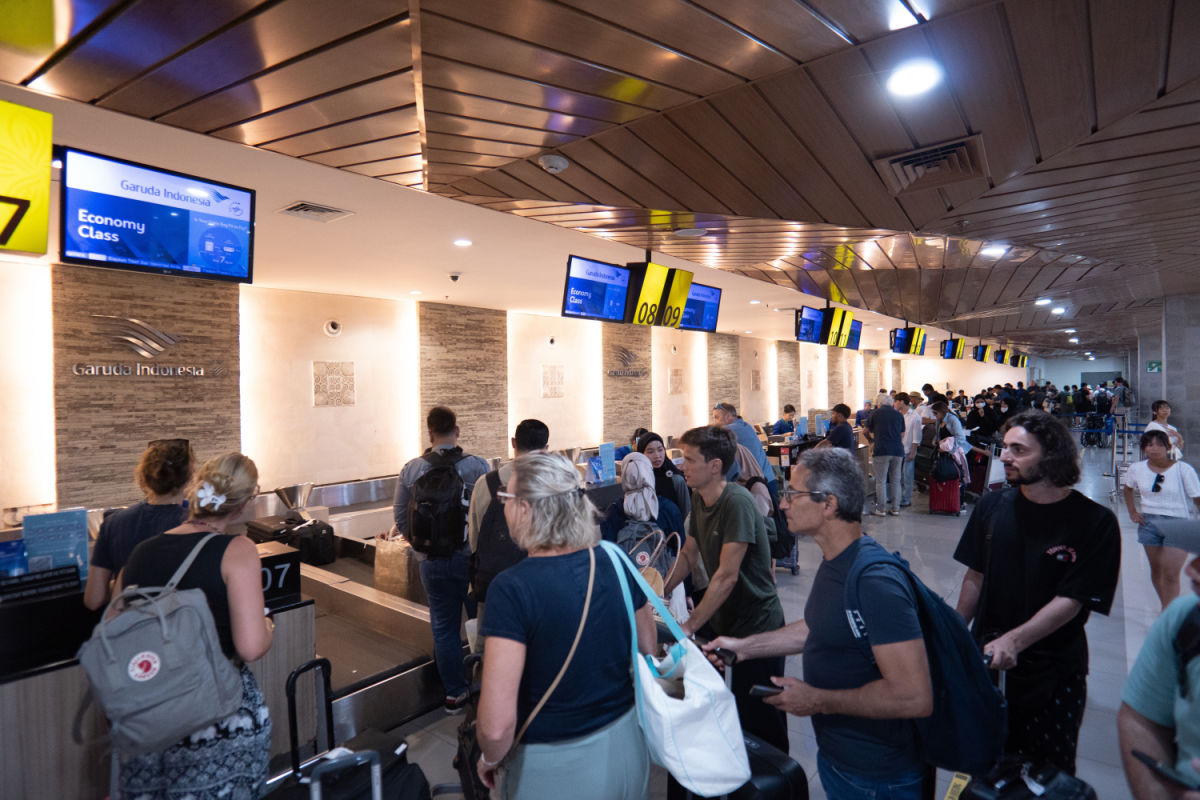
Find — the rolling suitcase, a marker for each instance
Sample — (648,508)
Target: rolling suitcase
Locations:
(390,776)
(944,497)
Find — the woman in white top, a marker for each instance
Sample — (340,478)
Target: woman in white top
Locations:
(1168,489)
(1161,411)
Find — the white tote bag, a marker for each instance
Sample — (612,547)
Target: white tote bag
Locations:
(687,714)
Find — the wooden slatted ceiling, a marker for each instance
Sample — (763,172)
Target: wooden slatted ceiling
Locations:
(746,119)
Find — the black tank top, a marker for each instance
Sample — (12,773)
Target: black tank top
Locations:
(155,560)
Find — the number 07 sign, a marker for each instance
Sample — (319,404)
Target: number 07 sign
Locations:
(25,153)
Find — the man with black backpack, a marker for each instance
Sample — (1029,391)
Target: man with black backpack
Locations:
(492,549)
(430,510)
(876,643)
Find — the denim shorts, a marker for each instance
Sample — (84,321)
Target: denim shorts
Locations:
(1148,532)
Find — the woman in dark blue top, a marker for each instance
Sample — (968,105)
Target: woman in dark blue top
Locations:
(586,736)
(162,474)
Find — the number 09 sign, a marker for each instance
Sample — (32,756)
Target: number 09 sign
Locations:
(662,295)
(25,152)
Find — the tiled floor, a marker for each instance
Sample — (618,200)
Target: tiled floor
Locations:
(928,542)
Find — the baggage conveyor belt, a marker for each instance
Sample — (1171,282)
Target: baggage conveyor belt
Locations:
(380,647)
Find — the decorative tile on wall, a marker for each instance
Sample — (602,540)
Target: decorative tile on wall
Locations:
(724,366)
(628,384)
(333,383)
(464,365)
(138,357)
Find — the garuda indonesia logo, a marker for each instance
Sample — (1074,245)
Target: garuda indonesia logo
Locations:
(139,337)
(628,359)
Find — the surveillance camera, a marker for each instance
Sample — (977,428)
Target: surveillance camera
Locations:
(454,276)
(332,327)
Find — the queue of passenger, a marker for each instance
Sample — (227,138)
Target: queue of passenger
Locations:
(556,681)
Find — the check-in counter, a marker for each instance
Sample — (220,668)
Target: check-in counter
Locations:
(43,687)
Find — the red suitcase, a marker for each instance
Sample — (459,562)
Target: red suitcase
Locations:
(944,497)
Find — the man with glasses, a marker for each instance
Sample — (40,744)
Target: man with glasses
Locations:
(729,535)
(1040,557)
(861,709)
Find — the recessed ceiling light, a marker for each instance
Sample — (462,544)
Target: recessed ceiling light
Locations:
(879,329)
(1087,352)
(994,250)
(1073,340)
(755,302)
(1091,358)
(914,77)
(56,163)
(1042,301)
(463,242)
(1058,310)
(749,331)
(415,291)
(900,17)
(1068,330)
(689,232)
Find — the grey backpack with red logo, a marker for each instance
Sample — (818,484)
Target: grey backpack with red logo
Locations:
(156,668)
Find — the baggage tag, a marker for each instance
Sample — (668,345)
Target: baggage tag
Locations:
(957,784)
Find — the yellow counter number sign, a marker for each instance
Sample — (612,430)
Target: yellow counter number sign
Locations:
(26,136)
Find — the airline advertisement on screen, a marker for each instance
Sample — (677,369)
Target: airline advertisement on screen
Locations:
(808,324)
(703,305)
(126,214)
(595,290)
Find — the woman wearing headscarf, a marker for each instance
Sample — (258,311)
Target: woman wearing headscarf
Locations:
(668,479)
(641,501)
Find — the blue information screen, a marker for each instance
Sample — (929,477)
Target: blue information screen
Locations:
(120,214)
(900,340)
(703,307)
(855,335)
(808,325)
(595,290)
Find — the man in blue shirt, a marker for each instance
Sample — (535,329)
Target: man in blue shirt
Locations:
(787,424)
(725,415)
(862,415)
(840,433)
(446,580)
(861,709)
(885,431)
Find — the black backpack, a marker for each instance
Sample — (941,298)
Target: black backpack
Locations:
(495,551)
(782,539)
(1186,645)
(437,514)
(966,731)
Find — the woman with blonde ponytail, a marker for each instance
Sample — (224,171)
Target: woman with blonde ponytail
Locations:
(227,760)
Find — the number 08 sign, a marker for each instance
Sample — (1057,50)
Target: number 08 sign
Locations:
(661,297)
(25,152)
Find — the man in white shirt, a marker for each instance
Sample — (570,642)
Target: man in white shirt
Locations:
(912,438)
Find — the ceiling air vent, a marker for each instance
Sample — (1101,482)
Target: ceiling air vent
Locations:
(940,165)
(314,211)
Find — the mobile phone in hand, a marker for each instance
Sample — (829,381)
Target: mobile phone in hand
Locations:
(762,690)
(1159,768)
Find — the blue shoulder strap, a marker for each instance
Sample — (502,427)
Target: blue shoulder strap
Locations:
(622,565)
(870,553)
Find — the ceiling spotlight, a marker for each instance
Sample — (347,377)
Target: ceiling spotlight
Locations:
(462,242)
(689,232)
(749,331)
(1058,310)
(755,302)
(1087,352)
(1073,340)
(56,163)
(914,77)
(994,250)
(553,163)
(1068,330)
(1042,301)
(415,291)
(1091,358)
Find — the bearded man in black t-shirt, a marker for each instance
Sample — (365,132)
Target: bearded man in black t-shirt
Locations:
(1040,558)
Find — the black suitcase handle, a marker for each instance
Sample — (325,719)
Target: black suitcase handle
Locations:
(323,665)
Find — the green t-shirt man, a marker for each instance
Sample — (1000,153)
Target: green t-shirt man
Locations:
(753,605)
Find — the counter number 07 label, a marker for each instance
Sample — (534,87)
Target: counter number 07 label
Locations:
(273,576)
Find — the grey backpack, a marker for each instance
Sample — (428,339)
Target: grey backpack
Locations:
(156,668)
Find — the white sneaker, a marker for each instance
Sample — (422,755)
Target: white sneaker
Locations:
(878,513)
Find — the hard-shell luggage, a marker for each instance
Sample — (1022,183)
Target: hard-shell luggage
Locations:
(944,497)
(388,774)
